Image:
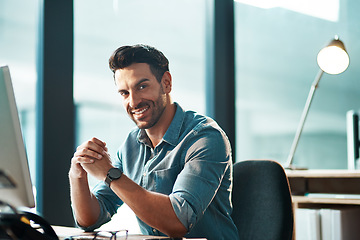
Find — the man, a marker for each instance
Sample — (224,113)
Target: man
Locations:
(174,170)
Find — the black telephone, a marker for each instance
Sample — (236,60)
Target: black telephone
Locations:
(17,225)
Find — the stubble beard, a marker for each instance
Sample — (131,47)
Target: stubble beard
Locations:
(157,108)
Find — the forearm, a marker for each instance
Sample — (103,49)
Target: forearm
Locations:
(153,208)
(86,206)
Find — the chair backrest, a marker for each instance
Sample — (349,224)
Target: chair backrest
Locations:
(262,201)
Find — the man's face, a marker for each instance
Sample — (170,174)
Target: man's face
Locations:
(143,96)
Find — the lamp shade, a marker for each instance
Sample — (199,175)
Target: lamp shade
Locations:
(333,59)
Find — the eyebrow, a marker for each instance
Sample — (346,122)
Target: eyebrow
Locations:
(141,81)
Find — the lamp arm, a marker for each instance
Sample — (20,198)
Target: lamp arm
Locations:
(304,114)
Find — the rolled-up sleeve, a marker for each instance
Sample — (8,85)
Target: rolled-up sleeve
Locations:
(103,218)
(108,201)
(207,160)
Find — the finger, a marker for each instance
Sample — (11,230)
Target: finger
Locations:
(102,144)
(86,152)
(77,171)
(98,142)
(95,145)
(82,159)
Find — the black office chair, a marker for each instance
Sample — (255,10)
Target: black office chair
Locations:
(262,201)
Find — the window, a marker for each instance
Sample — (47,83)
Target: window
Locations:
(276,50)
(18,28)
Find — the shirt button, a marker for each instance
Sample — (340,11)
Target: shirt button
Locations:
(144,174)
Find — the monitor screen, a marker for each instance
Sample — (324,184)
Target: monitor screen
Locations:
(16,186)
(353,141)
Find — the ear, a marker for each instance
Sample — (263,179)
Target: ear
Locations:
(166,82)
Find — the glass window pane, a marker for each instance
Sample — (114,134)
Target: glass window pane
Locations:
(276,49)
(18,36)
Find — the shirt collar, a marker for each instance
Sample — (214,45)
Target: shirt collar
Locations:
(172,133)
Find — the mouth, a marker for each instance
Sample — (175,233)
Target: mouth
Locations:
(139,113)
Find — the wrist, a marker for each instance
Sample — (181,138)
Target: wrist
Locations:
(74,174)
(112,174)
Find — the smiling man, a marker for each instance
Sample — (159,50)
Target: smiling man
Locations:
(174,170)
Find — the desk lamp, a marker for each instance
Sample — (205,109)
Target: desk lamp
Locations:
(332,59)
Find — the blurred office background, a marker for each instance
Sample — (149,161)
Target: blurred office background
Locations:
(276,44)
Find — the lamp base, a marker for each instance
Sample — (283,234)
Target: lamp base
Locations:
(292,167)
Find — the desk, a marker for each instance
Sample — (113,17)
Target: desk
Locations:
(336,182)
(63,232)
(324,189)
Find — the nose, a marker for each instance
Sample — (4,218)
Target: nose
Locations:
(134,100)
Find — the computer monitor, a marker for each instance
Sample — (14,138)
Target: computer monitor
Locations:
(16,187)
(353,142)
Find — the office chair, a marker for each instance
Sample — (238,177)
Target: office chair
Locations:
(262,205)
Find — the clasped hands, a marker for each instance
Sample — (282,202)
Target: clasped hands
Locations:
(91,157)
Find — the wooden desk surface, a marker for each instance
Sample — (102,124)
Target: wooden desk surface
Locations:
(323,173)
(64,232)
(324,181)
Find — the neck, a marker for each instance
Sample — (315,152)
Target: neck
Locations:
(157,132)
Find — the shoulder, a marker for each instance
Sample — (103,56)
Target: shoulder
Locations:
(205,136)
(203,124)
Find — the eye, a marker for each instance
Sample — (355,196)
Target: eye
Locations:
(142,86)
(123,93)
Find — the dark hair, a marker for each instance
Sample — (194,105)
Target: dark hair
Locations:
(126,55)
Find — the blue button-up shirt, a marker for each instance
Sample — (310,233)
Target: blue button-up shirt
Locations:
(192,164)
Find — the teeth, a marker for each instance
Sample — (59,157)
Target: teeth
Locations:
(140,112)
